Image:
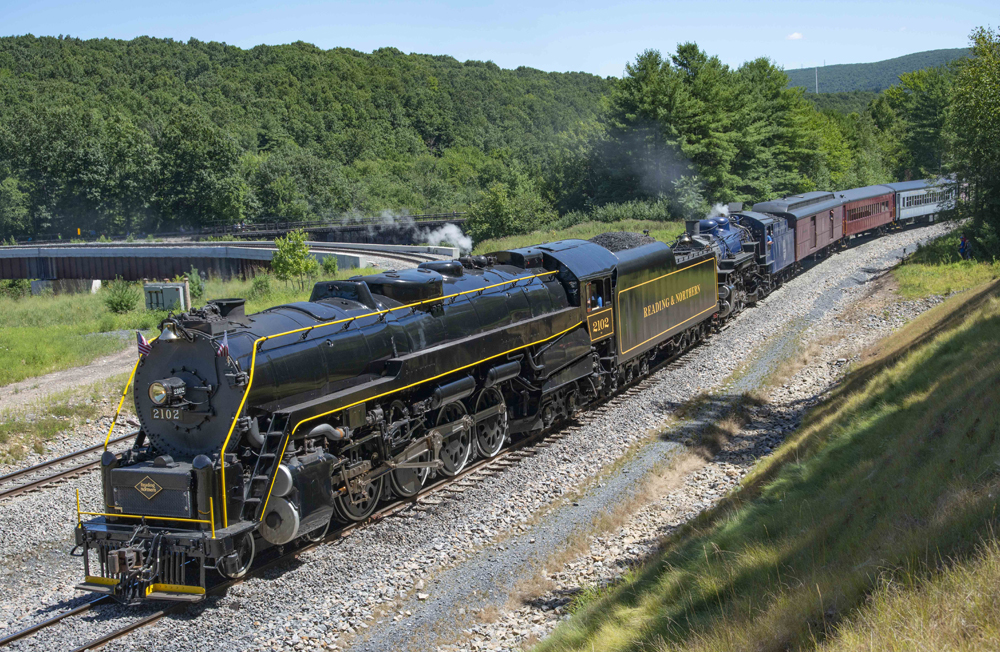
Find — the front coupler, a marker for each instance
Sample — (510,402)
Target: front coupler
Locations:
(139,563)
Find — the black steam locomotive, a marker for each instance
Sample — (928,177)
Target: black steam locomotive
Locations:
(257,430)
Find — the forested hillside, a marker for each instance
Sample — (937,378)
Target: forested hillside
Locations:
(847,102)
(150,133)
(876,76)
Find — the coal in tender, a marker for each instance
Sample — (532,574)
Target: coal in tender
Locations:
(621,240)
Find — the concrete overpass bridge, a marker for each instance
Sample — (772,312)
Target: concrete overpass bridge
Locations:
(137,261)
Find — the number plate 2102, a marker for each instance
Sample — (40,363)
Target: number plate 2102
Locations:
(167,414)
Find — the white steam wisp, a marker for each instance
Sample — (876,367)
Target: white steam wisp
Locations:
(719,210)
(449,235)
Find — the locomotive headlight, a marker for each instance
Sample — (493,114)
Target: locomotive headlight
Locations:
(158,393)
(164,391)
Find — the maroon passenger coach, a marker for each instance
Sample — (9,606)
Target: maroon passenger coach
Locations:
(868,208)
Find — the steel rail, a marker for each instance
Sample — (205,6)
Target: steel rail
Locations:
(28,631)
(35,484)
(58,460)
(19,489)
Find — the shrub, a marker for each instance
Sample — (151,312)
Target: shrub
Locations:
(17,288)
(292,259)
(260,286)
(661,209)
(195,283)
(329,265)
(121,296)
(504,210)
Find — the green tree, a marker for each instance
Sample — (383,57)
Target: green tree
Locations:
(292,260)
(741,133)
(689,202)
(199,181)
(508,208)
(329,265)
(974,123)
(921,101)
(14,205)
(117,135)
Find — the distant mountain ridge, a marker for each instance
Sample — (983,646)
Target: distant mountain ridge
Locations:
(875,76)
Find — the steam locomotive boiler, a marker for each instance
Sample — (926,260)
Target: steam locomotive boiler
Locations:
(258,430)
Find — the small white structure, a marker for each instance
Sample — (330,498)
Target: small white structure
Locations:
(167,296)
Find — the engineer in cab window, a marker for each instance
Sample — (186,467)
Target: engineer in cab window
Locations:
(594,299)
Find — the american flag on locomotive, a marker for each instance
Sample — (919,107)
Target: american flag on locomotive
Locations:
(144,346)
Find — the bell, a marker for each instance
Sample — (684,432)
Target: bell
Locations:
(168,334)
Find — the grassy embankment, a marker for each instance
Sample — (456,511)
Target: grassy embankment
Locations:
(937,269)
(45,333)
(872,527)
(665,231)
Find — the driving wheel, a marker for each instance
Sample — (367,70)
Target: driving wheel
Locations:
(245,550)
(457,448)
(491,431)
(406,483)
(363,503)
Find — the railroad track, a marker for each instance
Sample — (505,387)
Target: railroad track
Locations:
(6,492)
(445,487)
(28,631)
(405,256)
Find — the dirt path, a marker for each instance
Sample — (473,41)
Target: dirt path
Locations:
(28,391)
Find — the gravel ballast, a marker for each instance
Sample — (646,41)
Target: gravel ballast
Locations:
(411,581)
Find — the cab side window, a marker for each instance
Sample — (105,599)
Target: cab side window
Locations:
(597,294)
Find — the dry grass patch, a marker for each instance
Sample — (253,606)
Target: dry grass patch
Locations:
(31,427)
(489,614)
(956,608)
(795,363)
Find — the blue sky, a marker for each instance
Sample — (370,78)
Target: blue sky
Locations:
(595,37)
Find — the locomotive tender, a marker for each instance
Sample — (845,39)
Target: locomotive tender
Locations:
(258,430)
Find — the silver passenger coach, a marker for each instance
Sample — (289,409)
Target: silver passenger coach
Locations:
(922,199)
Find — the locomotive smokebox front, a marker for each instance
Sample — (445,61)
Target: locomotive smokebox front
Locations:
(187,393)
